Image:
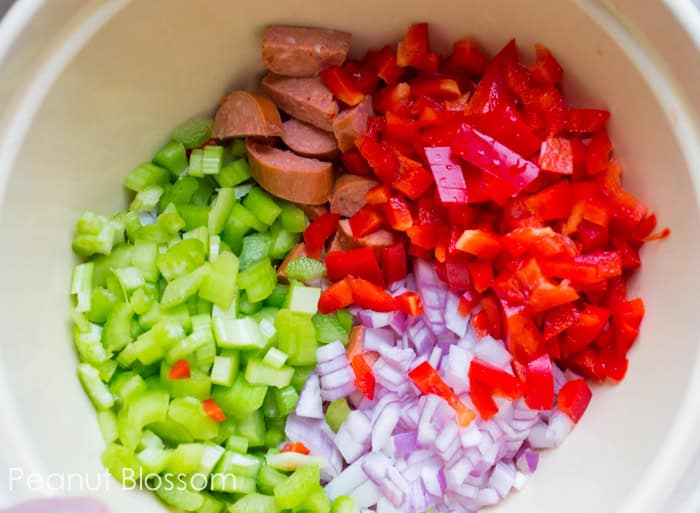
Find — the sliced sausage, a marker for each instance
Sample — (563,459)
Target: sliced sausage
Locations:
(243,114)
(343,239)
(348,194)
(313,211)
(303,51)
(307,99)
(380,239)
(289,176)
(297,251)
(309,141)
(351,123)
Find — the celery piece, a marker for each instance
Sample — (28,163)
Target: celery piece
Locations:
(269,314)
(89,346)
(301,375)
(107,370)
(259,373)
(302,299)
(130,278)
(151,406)
(201,233)
(329,329)
(101,303)
(146,199)
(143,257)
(210,458)
(144,349)
(296,336)
(258,280)
(172,157)
(247,307)
(186,458)
(238,148)
(283,243)
(96,390)
(179,314)
(154,459)
(234,173)
(214,247)
(221,210)
(180,193)
(219,286)
(233,233)
(179,497)
(81,285)
(345,319)
(197,386)
(120,462)
(292,218)
(126,386)
(244,215)
(240,464)
(286,399)
(205,355)
(80,322)
(170,220)
(188,345)
(268,478)
(274,437)
(203,194)
(152,232)
(95,234)
(297,487)
(129,434)
(181,258)
(144,175)
(150,440)
(345,504)
(255,503)
(194,215)
(182,288)
(193,133)
(172,432)
(305,269)
(190,413)
(262,205)
(238,333)
(142,299)
(336,413)
(119,257)
(210,504)
(118,222)
(241,191)
(252,427)
(317,502)
(225,370)
(275,358)
(132,224)
(196,168)
(212,157)
(276,299)
(231,483)
(236,443)
(228,313)
(241,399)
(107,421)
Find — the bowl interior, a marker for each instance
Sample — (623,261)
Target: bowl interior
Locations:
(151,67)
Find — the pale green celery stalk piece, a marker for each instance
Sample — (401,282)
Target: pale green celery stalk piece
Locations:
(214,247)
(89,346)
(183,499)
(241,191)
(233,173)
(226,313)
(345,504)
(145,175)
(181,289)
(287,461)
(130,278)
(268,478)
(317,502)
(255,503)
(154,459)
(240,400)
(236,443)
(150,439)
(231,483)
(96,390)
(302,299)
(219,287)
(262,205)
(121,463)
(188,345)
(239,463)
(186,458)
(146,199)
(220,210)
(149,407)
(259,373)
(201,233)
(337,413)
(294,491)
(275,358)
(212,157)
(238,333)
(193,133)
(190,413)
(210,504)
(144,255)
(81,285)
(224,370)
(258,280)
(286,399)
(196,167)
(305,269)
(173,157)
(107,421)
(211,455)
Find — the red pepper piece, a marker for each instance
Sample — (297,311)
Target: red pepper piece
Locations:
(523,338)
(365,221)
(411,178)
(597,211)
(560,319)
(481,273)
(507,126)
(364,77)
(414,50)
(491,92)
(439,88)
(539,387)
(599,151)
(586,121)
(557,156)
(431,212)
(553,202)
(482,325)
(457,272)
(342,86)
(380,158)
(297,447)
(481,244)
(364,377)
(491,307)
(424,236)
(468,55)
(428,381)
(497,380)
(376,126)
(335,297)
(354,163)
(448,175)
(397,214)
(585,269)
(317,233)
(213,410)
(540,242)
(180,370)
(384,62)
(359,263)
(401,128)
(589,325)
(573,399)
(548,295)
(378,194)
(395,98)
(482,400)
(410,303)
(373,297)
(394,262)
(546,69)
(508,167)
(587,363)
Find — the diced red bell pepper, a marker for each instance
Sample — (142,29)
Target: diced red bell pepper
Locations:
(448,175)
(508,167)
(523,338)
(481,273)
(213,410)
(335,297)
(481,244)
(482,399)
(560,319)
(539,242)
(424,236)
(553,202)
(436,87)
(587,363)
(180,370)
(397,214)
(355,163)
(546,69)
(506,125)
(557,156)
(468,55)
(492,309)
(589,325)
(378,194)
(411,178)
(342,86)
(414,50)
(428,381)
(363,76)
(410,303)
(539,387)
(297,447)
(597,211)
(376,126)
(401,128)
(586,121)
(359,263)
(380,158)
(384,62)
(317,233)
(364,377)
(573,399)
(481,324)
(467,302)
(365,221)
(548,295)
(395,98)
(585,269)
(373,297)
(457,272)
(598,155)
(497,380)
(394,262)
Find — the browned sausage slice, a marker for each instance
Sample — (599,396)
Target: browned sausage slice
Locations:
(297,251)
(380,239)
(348,194)
(289,176)
(309,141)
(313,211)
(352,122)
(303,51)
(307,99)
(244,114)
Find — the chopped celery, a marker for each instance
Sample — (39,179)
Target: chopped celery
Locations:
(170,220)
(182,288)
(210,458)
(127,386)
(240,464)
(345,319)
(297,487)
(171,431)
(154,459)
(202,195)
(234,173)
(302,299)
(336,413)
(96,390)
(143,257)
(180,193)
(238,148)
(197,386)
(262,205)
(293,218)
(317,502)
(89,345)
(258,279)
(247,307)
(196,168)
(268,478)
(211,159)
(278,295)
(289,461)
(241,399)
(296,336)
(214,247)
(269,407)
(231,483)
(193,133)
(329,329)
(188,345)
(180,498)
(150,440)
(238,333)
(210,504)
(275,358)
(152,232)
(345,504)
(81,285)
(219,286)
(132,224)
(220,210)
(252,427)
(129,435)
(201,233)
(194,215)
(247,217)
(149,407)
(172,157)
(205,355)
(286,399)
(185,459)
(237,443)
(259,373)
(130,278)
(96,234)
(241,191)
(274,437)
(301,375)
(143,298)
(146,199)
(119,257)
(255,503)
(101,303)
(233,233)
(225,370)
(120,462)
(146,175)
(305,269)
(255,248)
(181,258)
(283,242)
(107,420)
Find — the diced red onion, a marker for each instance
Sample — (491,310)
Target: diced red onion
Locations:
(520,481)
(371,319)
(458,361)
(376,338)
(453,319)
(384,425)
(502,478)
(312,434)
(494,352)
(366,495)
(310,404)
(348,480)
(527,462)
(330,351)
(487,497)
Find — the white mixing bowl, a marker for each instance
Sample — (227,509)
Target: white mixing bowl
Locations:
(90,88)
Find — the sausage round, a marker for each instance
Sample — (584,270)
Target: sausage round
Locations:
(348,194)
(351,123)
(289,176)
(307,99)
(303,51)
(309,141)
(243,114)
(380,239)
